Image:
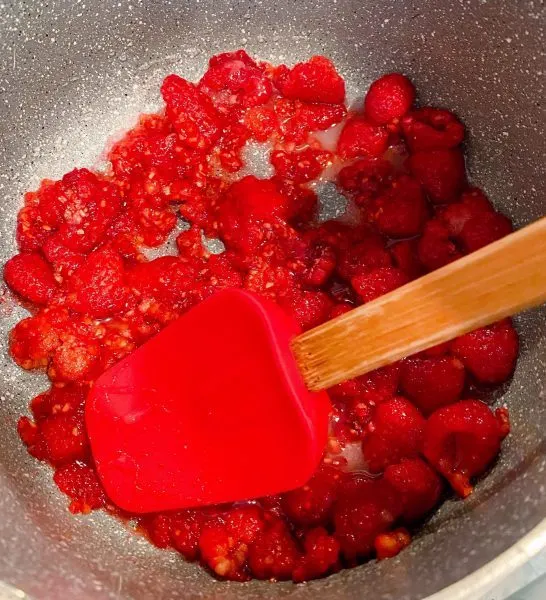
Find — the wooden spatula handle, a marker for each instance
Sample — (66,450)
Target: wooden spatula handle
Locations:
(497,281)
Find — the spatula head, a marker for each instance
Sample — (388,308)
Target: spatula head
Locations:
(212,409)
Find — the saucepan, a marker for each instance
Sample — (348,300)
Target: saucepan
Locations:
(72,73)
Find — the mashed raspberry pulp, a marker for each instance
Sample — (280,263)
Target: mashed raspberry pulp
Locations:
(400,436)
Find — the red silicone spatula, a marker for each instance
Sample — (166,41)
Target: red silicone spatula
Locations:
(217,406)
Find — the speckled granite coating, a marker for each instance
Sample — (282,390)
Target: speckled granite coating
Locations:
(73,74)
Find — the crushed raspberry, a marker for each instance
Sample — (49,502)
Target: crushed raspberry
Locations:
(311,504)
(362,138)
(432,129)
(80,483)
(191,112)
(489,353)
(461,440)
(440,172)
(174,183)
(313,81)
(389,97)
(366,177)
(321,555)
(378,282)
(31,277)
(395,432)
(417,484)
(302,166)
(97,288)
(233,79)
(391,543)
(432,382)
(274,554)
(402,211)
(358,259)
(365,509)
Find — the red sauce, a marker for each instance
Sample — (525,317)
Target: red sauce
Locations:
(399,435)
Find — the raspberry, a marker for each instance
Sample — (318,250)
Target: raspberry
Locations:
(374,387)
(378,282)
(63,260)
(440,172)
(80,483)
(391,543)
(367,177)
(222,553)
(362,512)
(233,79)
(31,232)
(74,360)
(274,554)
(432,382)
(64,438)
(301,166)
(405,257)
(308,308)
(28,431)
(97,288)
(461,440)
(298,119)
(311,504)
(489,353)
(402,211)
(31,277)
(321,555)
(261,122)
(396,432)
(62,398)
(320,264)
(81,206)
(389,97)
(35,339)
(417,485)
(435,248)
(473,205)
(483,230)
(359,137)
(432,129)
(361,258)
(185,532)
(315,80)
(191,112)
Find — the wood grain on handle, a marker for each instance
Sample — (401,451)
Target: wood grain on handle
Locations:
(497,281)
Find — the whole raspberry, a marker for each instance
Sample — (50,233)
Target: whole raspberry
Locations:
(432,129)
(389,97)
(461,440)
(440,172)
(321,553)
(483,230)
(435,248)
(432,382)
(489,353)
(315,80)
(377,282)
(364,510)
(402,210)
(395,432)
(274,553)
(31,277)
(417,484)
(359,137)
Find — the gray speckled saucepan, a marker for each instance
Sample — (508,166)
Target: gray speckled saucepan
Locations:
(74,73)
